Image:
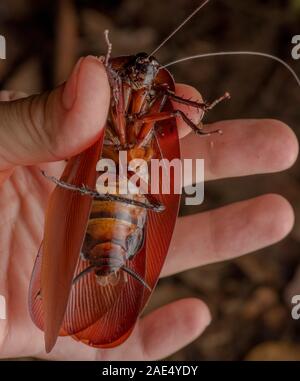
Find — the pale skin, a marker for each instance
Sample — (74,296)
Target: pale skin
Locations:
(51,127)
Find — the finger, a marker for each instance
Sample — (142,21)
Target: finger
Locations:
(194,114)
(246,147)
(163,332)
(58,124)
(228,232)
(8,95)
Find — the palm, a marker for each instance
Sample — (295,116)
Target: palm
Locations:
(23,198)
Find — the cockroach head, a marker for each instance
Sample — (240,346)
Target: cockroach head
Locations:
(142,70)
(143,59)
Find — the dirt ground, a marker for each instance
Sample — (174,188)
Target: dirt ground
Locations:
(249,297)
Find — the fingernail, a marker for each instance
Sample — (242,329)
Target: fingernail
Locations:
(70,90)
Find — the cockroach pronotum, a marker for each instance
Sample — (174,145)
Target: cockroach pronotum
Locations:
(102,253)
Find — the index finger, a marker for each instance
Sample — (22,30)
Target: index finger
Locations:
(246,147)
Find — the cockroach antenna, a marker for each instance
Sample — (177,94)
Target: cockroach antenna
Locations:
(109,47)
(180,26)
(235,53)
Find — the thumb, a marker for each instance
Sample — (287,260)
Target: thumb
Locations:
(57,124)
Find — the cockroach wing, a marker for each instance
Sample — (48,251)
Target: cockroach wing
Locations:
(160,226)
(117,324)
(35,296)
(65,226)
(88,300)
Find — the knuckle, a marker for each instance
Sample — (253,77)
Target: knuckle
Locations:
(36,114)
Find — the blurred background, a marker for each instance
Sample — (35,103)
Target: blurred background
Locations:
(250,297)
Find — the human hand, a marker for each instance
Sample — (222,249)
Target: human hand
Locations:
(39,131)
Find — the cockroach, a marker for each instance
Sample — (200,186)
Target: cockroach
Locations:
(102,253)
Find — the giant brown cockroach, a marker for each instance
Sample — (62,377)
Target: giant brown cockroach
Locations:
(102,254)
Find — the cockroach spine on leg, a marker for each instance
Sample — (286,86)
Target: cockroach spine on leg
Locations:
(85,191)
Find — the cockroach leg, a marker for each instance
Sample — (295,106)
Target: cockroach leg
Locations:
(210,106)
(85,191)
(153,200)
(205,106)
(197,128)
(144,188)
(171,95)
(157,117)
(151,205)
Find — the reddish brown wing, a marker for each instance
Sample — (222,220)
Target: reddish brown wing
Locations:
(161,225)
(89,301)
(117,324)
(35,300)
(65,225)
